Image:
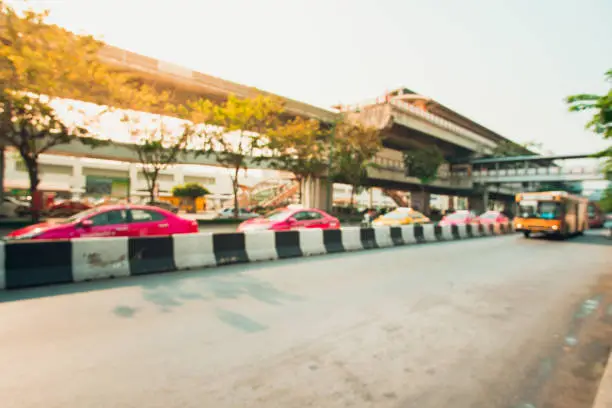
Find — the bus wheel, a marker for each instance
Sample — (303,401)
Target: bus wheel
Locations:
(526,234)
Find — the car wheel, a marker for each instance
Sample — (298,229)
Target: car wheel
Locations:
(526,234)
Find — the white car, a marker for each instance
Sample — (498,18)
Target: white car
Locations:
(11,207)
(228,213)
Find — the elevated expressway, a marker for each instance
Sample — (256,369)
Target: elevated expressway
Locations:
(408,120)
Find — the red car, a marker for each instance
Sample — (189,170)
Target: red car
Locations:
(67,208)
(110,221)
(285,219)
(491,217)
(459,218)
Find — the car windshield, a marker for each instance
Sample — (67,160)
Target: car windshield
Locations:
(457,216)
(278,215)
(489,215)
(398,215)
(79,216)
(547,210)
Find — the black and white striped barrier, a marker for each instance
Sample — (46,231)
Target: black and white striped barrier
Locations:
(35,263)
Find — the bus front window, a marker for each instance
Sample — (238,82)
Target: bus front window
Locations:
(547,210)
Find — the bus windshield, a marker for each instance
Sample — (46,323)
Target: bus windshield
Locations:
(548,210)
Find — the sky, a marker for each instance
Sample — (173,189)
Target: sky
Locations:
(506,64)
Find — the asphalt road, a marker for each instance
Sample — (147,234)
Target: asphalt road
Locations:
(458,324)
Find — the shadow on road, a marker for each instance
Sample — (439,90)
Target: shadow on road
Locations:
(172,289)
(591,238)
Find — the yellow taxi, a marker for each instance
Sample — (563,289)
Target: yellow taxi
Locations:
(401,216)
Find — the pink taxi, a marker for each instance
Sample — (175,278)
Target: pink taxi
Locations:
(110,221)
(290,218)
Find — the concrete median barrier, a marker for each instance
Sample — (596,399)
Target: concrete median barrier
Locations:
(36,263)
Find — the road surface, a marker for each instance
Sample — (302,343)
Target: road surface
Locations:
(458,324)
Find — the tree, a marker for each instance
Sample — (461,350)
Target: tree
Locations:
(423,163)
(601,122)
(507,148)
(236,130)
(355,145)
(299,148)
(606,201)
(158,146)
(34,129)
(38,62)
(190,191)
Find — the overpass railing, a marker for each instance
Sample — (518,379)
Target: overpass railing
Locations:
(536,171)
(460,179)
(422,114)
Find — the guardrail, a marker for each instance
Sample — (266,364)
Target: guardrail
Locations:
(36,263)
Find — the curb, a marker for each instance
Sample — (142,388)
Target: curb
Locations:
(36,263)
(603,399)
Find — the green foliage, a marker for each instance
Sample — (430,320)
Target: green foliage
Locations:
(38,62)
(190,190)
(601,122)
(45,59)
(158,146)
(355,145)
(602,105)
(298,147)
(235,130)
(511,149)
(606,201)
(423,163)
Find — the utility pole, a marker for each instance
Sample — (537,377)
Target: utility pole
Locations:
(329,202)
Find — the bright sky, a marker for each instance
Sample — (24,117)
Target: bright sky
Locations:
(505,64)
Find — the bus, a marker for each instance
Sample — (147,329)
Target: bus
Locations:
(555,213)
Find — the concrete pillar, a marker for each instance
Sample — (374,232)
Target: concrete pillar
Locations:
(419,200)
(477,204)
(485,198)
(133,176)
(314,193)
(77,181)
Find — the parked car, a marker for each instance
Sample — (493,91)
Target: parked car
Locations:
(597,217)
(110,221)
(165,205)
(228,213)
(461,217)
(401,216)
(66,208)
(288,218)
(491,217)
(12,207)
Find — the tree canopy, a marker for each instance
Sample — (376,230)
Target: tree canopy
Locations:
(158,145)
(299,147)
(355,145)
(235,130)
(601,121)
(40,61)
(423,163)
(190,190)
